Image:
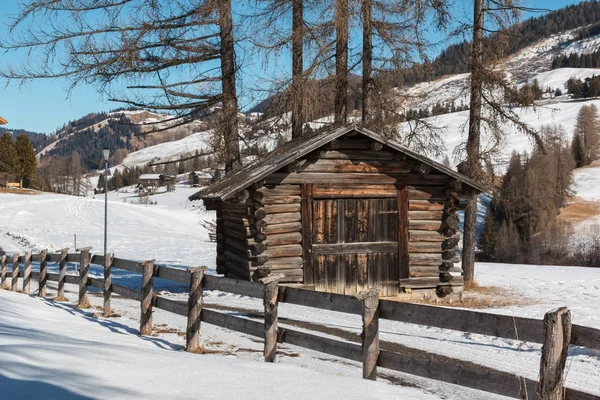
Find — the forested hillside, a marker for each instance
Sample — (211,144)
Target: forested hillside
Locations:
(38,140)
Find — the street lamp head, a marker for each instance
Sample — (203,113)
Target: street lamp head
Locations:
(105,153)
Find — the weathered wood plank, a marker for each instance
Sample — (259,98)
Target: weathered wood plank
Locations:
(238,324)
(585,336)
(291,275)
(426,205)
(333,191)
(307,229)
(322,344)
(84,264)
(27,272)
(126,292)
(370,332)
(282,218)
(557,335)
(357,247)
(128,265)
(244,288)
(14,281)
(3,272)
(284,238)
(107,287)
(358,166)
(176,307)
(290,250)
(403,233)
(504,326)
(172,274)
(146,298)
(460,373)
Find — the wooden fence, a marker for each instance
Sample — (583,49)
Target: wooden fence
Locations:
(555,332)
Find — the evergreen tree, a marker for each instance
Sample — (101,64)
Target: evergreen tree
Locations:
(101,182)
(8,154)
(26,161)
(578,151)
(487,240)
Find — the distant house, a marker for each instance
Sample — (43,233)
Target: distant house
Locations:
(200,178)
(151,182)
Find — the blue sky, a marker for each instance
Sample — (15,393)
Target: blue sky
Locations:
(43,106)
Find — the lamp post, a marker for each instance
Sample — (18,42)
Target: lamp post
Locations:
(105,154)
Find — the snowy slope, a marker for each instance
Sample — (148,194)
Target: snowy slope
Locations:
(50,352)
(168,231)
(557,78)
(453,128)
(187,146)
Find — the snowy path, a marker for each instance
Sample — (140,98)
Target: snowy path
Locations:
(50,351)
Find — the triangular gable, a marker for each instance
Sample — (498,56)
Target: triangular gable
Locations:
(298,148)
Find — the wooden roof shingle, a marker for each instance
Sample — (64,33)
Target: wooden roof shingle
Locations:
(297,148)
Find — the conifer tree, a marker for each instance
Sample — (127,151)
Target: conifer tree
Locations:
(8,156)
(578,151)
(26,162)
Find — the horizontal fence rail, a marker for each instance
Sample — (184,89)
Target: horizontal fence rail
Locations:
(416,362)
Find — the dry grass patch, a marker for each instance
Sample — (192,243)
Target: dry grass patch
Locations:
(578,210)
(474,296)
(29,192)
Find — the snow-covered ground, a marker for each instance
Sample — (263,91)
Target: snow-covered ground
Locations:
(51,352)
(170,233)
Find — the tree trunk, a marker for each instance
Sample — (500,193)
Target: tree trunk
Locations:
(367,59)
(341,62)
(297,68)
(473,142)
(229,122)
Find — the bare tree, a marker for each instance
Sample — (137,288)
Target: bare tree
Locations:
(158,54)
(342,16)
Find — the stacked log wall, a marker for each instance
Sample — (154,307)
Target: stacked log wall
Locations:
(278,212)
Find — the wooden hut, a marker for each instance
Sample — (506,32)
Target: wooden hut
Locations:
(342,211)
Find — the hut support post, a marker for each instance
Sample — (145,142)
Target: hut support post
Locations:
(15,273)
(62,273)
(27,273)
(370,332)
(84,265)
(146,301)
(43,277)
(270,300)
(3,272)
(557,335)
(192,333)
(107,288)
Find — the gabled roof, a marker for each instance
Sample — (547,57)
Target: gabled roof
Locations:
(298,148)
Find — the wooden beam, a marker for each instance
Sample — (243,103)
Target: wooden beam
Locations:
(62,274)
(27,273)
(270,301)
(107,286)
(357,247)
(557,335)
(84,265)
(146,298)
(43,276)
(403,232)
(307,237)
(3,272)
(370,332)
(194,309)
(15,273)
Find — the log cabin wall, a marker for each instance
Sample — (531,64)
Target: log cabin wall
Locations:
(353,167)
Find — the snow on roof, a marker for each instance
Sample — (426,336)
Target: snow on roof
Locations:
(150,176)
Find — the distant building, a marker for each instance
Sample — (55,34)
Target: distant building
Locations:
(151,182)
(200,178)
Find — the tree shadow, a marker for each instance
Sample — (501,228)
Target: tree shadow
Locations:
(29,389)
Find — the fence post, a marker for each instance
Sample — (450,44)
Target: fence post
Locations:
(557,336)
(146,301)
(192,333)
(3,272)
(62,273)
(108,259)
(27,273)
(271,287)
(370,332)
(43,277)
(84,266)
(15,273)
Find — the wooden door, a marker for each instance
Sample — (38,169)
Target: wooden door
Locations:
(355,245)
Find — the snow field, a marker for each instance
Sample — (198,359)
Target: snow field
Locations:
(50,351)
